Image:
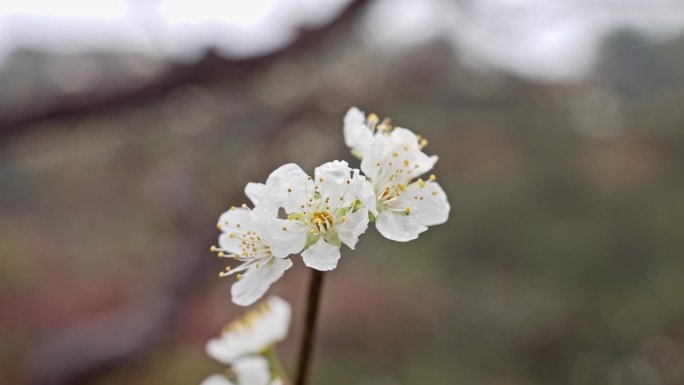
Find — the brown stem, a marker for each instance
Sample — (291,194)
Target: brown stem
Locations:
(306,347)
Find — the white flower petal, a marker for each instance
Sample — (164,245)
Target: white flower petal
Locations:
(258,194)
(283,236)
(334,182)
(355,225)
(216,379)
(397,153)
(252,370)
(228,243)
(428,204)
(288,187)
(321,256)
(398,226)
(374,157)
(237,220)
(363,189)
(405,139)
(357,135)
(256,281)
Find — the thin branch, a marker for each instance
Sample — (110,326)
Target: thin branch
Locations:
(211,67)
(309,336)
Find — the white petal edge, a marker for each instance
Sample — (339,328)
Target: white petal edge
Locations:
(283,236)
(252,370)
(355,225)
(364,191)
(287,187)
(432,209)
(398,226)
(216,379)
(357,135)
(321,256)
(256,281)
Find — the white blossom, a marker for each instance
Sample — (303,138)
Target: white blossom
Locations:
(244,240)
(322,212)
(392,159)
(256,332)
(253,370)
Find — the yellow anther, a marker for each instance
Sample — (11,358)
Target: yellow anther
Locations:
(239,277)
(221,254)
(434,193)
(395,154)
(407,210)
(386,125)
(212,248)
(406,163)
(433,177)
(423,143)
(421,183)
(372,118)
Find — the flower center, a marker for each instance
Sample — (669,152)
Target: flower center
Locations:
(322,220)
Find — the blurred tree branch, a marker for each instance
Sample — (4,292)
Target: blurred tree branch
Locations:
(91,348)
(211,67)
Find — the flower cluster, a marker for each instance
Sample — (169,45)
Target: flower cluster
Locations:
(247,346)
(295,213)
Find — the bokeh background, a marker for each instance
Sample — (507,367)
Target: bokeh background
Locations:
(127,127)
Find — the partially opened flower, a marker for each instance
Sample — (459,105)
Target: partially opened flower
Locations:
(244,240)
(391,160)
(322,212)
(255,333)
(247,345)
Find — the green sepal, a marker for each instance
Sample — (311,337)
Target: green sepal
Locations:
(333,239)
(356,154)
(371,217)
(311,239)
